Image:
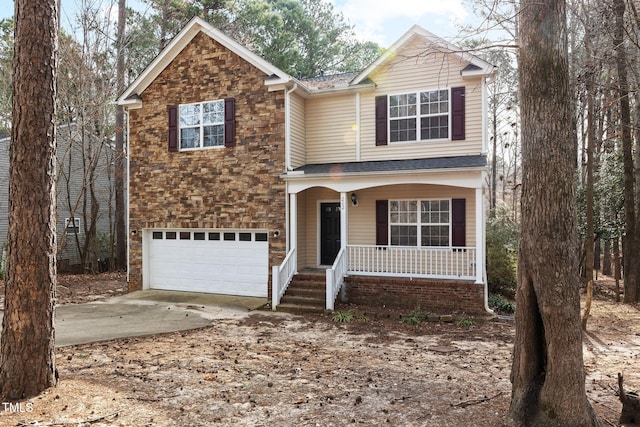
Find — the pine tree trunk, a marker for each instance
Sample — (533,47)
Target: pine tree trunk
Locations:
(120,161)
(589,264)
(27,362)
(631,242)
(547,375)
(606,258)
(617,274)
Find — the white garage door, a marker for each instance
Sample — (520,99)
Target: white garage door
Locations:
(211,261)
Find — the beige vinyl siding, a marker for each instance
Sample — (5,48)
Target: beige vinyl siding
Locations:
(413,70)
(298,131)
(331,129)
(362,218)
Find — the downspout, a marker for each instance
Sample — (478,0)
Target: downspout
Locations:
(287,126)
(484,208)
(484,116)
(126,203)
(287,166)
(358,148)
(484,252)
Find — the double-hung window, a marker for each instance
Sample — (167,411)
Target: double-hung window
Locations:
(72,225)
(201,125)
(419,116)
(420,222)
(428,115)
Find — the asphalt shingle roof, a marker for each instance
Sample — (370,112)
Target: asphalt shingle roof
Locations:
(459,162)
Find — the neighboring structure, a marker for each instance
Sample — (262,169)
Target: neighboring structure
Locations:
(74,203)
(241,175)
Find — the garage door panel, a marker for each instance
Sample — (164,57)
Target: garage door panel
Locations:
(231,267)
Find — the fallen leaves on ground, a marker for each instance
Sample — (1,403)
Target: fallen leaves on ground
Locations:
(275,369)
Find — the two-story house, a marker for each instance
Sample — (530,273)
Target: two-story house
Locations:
(242,176)
(83,168)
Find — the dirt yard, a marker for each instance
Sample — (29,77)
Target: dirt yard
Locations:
(272,369)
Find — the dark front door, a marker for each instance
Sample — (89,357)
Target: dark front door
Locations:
(329,232)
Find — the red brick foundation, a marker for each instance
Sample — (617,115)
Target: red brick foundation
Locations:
(438,296)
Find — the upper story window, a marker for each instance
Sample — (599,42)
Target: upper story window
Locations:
(421,116)
(72,225)
(201,125)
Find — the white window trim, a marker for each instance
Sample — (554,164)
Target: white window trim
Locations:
(200,126)
(417,117)
(419,222)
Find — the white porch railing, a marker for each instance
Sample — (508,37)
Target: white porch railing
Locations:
(335,278)
(408,261)
(281,277)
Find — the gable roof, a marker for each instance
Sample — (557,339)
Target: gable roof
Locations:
(131,95)
(476,66)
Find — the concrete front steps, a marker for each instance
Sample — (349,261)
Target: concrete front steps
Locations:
(305,294)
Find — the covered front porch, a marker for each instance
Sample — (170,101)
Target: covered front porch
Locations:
(426,226)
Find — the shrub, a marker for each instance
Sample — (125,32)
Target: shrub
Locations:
(343,316)
(502,261)
(466,322)
(415,317)
(500,304)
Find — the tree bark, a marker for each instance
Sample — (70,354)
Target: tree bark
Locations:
(548,378)
(591,136)
(617,274)
(121,237)
(27,361)
(606,258)
(630,414)
(631,242)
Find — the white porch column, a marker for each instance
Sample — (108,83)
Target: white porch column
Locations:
(293,221)
(344,220)
(480,236)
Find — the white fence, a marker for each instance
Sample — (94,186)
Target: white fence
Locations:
(409,261)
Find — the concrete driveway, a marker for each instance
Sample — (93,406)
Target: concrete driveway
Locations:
(146,313)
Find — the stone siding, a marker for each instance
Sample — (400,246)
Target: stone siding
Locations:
(224,187)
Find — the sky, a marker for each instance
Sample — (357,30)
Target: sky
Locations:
(385,21)
(381,21)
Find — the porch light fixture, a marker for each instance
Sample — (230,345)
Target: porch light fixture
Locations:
(354,199)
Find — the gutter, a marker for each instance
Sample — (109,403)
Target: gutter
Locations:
(300,175)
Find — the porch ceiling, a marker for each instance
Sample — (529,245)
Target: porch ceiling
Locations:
(461,171)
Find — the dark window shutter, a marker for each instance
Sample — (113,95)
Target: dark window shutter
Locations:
(382,222)
(458,222)
(173,127)
(229,122)
(457,113)
(381,120)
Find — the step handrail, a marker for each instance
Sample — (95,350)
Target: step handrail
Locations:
(335,278)
(281,276)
